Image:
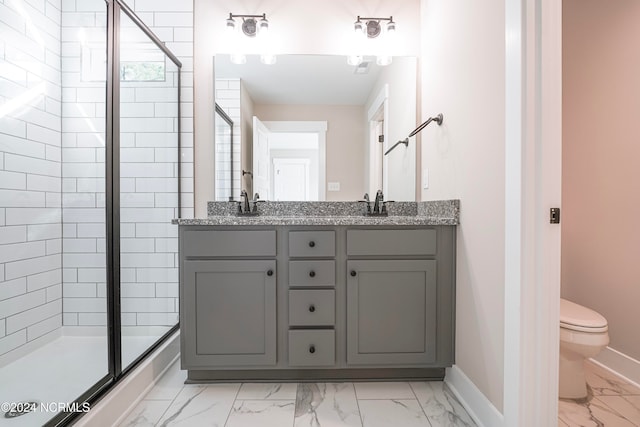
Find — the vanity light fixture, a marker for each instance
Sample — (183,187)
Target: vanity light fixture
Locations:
(250,25)
(372,28)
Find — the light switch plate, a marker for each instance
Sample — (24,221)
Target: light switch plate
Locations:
(333,186)
(425,178)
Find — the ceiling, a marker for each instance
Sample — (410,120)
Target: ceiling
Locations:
(302,79)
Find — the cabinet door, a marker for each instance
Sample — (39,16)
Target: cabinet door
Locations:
(391,312)
(229,313)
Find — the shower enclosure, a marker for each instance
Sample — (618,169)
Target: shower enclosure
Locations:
(89,183)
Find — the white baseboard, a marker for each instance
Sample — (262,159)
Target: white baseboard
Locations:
(113,408)
(477,405)
(620,364)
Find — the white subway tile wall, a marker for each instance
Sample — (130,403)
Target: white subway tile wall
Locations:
(30,172)
(83,153)
(52,110)
(148,168)
(228,98)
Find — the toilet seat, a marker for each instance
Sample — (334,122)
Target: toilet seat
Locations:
(581,319)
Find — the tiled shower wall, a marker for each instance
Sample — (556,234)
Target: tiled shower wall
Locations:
(228,97)
(35,39)
(83,170)
(30,168)
(148,167)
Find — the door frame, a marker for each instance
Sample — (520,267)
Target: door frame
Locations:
(381,102)
(318,127)
(533,173)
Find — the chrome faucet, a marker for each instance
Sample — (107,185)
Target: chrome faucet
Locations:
(244,205)
(379,205)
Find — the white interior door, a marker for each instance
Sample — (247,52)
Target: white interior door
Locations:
(291,179)
(261,159)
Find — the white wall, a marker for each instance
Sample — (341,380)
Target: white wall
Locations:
(401,78)
(295,27)
(600,152)
(30,169)
(463,76)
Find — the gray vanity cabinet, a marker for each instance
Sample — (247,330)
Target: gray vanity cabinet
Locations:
(232,312)
(228,298)
(391,317)
(328,302)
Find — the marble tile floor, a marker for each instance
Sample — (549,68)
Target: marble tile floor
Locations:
(373,404)
(612,402)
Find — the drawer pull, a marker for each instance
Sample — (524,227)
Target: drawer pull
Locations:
(312,308)
(312,244)
(270,273)
(312,273)
(353,273)
(312,349)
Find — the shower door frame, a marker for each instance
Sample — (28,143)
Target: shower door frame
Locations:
(112,210)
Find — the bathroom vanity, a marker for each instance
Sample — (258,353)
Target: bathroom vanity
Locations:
(318,291)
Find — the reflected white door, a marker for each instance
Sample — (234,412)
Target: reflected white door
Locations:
(260,159)
(291,179)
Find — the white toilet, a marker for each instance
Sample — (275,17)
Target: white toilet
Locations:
(583,334)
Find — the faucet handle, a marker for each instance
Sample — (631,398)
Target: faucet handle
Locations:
(384,206)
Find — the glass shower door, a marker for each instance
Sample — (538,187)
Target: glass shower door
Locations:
(149,171)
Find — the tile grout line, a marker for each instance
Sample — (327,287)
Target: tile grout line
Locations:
(295,405)
(233,404)
(172,400)
(419,403)
(355,393)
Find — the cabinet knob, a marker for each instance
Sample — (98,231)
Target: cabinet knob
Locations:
(312,308)
(353,273)
(312,349)
(270,273)
(312,273)
(312,244)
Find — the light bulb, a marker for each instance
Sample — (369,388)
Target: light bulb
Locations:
(391,27)
(263,25)
(231,25)
(358,27)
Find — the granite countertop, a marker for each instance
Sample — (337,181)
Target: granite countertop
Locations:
(441,212)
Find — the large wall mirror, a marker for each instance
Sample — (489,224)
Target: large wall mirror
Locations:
(312,127)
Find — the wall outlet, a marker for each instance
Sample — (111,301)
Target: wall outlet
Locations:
(425,178)
(333,186)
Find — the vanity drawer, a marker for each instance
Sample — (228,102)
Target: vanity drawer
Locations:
(312,273)
(312,348)
(312,243)
(391,242)
(312,307)
(229,243)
